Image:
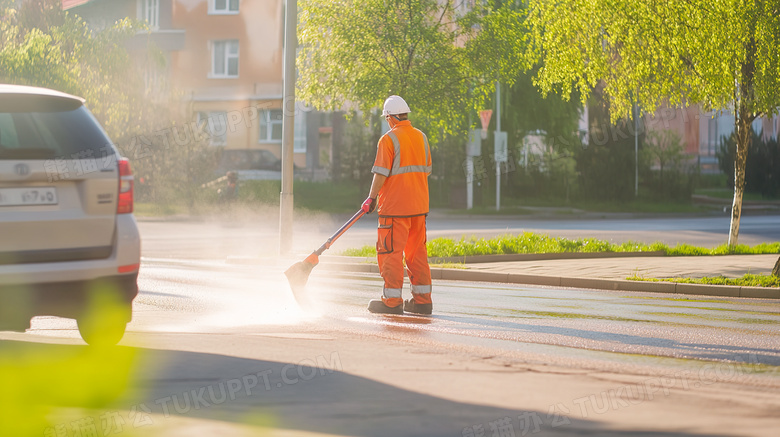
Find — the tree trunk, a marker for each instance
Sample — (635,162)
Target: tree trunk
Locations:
(744,106)
(740,162)
(776,270)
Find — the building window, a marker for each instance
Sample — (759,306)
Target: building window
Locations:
(225,58)
(270,126)
(271,122)
(215,126)
(217,7)
(149,11)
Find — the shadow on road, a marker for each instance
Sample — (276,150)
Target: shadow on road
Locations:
(704,351)
(163,390)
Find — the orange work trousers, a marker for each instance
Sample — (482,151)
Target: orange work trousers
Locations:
(403,239)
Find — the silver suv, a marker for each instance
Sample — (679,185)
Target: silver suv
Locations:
(69,244)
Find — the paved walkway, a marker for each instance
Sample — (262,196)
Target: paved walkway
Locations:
(732,266)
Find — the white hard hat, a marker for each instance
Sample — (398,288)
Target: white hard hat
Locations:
(395,105)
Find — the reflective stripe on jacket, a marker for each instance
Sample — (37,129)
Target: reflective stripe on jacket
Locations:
(404,156)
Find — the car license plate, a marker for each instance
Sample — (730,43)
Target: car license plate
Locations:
(28,196)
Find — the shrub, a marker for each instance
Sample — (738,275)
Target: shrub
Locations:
(762,171)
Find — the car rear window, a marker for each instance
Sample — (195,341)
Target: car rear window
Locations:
(45,127)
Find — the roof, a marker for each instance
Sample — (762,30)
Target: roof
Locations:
(22,89)
(67,4)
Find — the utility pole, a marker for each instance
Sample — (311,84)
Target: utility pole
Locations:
(470,152)
(636,149)
(288,128)
(495,152)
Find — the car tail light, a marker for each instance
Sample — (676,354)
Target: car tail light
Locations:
(128,268)
(125,203)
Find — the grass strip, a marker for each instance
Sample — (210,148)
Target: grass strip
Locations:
(529,242)
(749,280)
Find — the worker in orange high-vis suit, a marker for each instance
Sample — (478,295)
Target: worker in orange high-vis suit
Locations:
(399,192)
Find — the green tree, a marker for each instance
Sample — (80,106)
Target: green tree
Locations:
(526,110)
(443,61)
(41,45)
(720,55)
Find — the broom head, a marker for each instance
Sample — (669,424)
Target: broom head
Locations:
(298,275)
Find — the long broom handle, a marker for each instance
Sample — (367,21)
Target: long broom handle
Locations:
(340,232)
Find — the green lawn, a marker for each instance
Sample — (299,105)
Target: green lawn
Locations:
(728,194)
(530,242)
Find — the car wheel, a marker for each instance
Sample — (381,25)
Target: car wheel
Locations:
(97,331)
(105,318)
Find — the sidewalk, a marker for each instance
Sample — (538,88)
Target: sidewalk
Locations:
(606,273)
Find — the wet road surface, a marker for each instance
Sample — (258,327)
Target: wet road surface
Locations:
(523,359)
(512,317)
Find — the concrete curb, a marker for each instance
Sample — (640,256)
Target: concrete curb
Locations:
(573,282)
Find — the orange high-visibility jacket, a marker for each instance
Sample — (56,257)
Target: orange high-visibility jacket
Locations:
(404,156)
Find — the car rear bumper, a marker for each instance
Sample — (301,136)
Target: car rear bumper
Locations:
(66,289)
(124,259)
(74,300)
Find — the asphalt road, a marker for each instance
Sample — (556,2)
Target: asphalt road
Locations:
(224,349)
(687,327)
(256,234)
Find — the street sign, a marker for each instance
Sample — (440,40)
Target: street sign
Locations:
(474,146)
(484,117)
(500,151)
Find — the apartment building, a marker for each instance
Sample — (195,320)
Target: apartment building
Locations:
(225,57)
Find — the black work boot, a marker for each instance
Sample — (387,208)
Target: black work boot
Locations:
(418,308)
(379,307)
